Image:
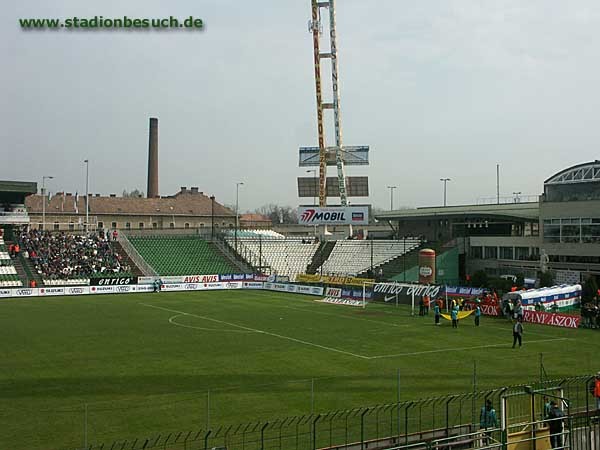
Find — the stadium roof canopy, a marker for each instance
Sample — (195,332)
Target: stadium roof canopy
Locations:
(514,211)
(21,187)
(16,191)
(581,173)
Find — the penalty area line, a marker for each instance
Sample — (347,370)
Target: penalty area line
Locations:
(268,333)
(462,348)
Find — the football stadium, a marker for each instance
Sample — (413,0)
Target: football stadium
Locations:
(176,322)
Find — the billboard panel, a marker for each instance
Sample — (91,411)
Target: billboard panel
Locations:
(334,215)
(353,155)
(355,187)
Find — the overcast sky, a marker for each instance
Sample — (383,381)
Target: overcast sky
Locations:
(436,88)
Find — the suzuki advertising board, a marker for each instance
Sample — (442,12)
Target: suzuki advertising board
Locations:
(51,291)
(333,215)
(102,289)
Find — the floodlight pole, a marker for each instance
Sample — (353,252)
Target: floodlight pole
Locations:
(87,185)
(391,188)
(445,180)
(44,178)
(237,197)
(212,217)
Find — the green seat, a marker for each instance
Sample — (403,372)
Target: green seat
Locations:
(181,255)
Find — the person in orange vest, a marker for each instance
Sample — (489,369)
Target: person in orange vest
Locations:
(426,304)
(32,284)
(595,389)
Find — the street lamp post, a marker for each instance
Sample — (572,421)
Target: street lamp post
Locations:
(391,188)
(517,198)
(445,180)
(87,198)
(237,204)
(44,178)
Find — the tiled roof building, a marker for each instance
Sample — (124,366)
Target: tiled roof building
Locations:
(189,208)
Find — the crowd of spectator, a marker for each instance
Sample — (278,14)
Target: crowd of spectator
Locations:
(63,256)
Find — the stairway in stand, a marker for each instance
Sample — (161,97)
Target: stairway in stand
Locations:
(135,270)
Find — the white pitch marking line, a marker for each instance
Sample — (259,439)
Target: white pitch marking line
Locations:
(172,321)
(260,331)
(461,348)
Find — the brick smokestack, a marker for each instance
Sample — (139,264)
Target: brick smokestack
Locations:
(152,190)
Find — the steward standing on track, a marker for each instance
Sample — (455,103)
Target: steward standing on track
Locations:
(436,312)
(517,333)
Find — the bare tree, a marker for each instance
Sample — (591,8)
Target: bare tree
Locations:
(135,193)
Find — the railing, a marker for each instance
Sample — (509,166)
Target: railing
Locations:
(447,422)
(146,268)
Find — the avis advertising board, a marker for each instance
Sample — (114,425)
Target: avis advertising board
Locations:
(334,215)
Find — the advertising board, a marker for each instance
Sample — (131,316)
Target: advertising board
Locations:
(112,281)
(333,215)
(59,290)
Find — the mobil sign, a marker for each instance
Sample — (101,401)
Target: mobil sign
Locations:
(334,215)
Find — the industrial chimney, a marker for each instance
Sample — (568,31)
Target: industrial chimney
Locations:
(152,190)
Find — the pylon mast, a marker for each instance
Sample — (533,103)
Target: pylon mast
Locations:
(336,154)
(339,161)
(315,26)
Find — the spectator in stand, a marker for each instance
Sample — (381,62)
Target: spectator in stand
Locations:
(62,256)
(115,234)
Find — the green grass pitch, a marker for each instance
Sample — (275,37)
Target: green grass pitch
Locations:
(146,364)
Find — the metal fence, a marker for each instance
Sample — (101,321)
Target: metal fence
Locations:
(446,422)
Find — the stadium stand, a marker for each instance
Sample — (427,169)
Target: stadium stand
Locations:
(8,272)
(352,257)
(61,258)
(283,256)
(181,255)
(256,234)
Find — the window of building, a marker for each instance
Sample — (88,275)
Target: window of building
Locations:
(506,253)
(521,253)
(491,253)
(100,225)
(113,225)
(590,231)
(56,226)
(71,226)
(551,231)
(141,225)
(230,225)
(201,225)
(477,252)
(171,225)
(128,225)
(154,225)
(186,225)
